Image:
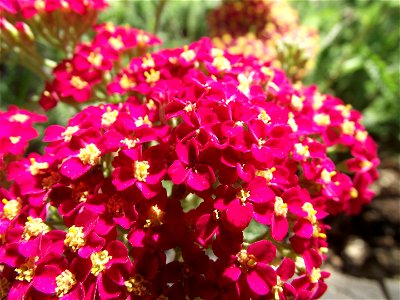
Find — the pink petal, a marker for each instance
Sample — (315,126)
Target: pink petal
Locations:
(239,216)
(280,227)
(286,269)
(264,251)
(261,279)
(178,172)
(118,252)
(303,228)
(73,168)
(197,181)
(232,273)
(45,279)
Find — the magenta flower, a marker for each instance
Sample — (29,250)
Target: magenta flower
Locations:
(251,270)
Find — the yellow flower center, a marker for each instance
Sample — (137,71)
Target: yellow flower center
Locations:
(263,116)
(221,63)
(315,275)
(322,119)
(21,118)
(34,227)
(14,139)
(297,102)
(187,54)
(90,155)
(95,59)
(143,121)
(353,192)
(327,176)
(152,77)
(309,209)
(129,143)
(155,217)
(348,127)
(148,61)
(11,208)
(267,174)
(68,133)
(75,238)
(244,84)
(142,39)
(243,196)
(302,150)
(361,135)
(109,117)
(280,208)
(116,42)
(140,169)
(99,261)
(344,109)
(318,101)
(36,168)
(366,164)
(246,261)
(65,281)
(126,82)
(137,285)
(78,83)
(292,123)
(27,269)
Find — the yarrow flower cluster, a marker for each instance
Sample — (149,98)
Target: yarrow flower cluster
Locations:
(257,28)
(155,193)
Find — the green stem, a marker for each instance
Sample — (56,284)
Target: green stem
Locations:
(159,10)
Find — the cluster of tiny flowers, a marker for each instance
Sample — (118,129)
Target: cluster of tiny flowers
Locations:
(83,77)
(257,28)
(153,197)
(16,132)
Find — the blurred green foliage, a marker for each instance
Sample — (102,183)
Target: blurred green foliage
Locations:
(358,62)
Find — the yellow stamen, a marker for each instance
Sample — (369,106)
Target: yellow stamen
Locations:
(36,168)
(109,117)
(27,269)
(34,227)
(75,238)
(140,169)
(65,281)
(280,208)
(78,83)
(69,132)
(11,208)
(90,155)
(99,261)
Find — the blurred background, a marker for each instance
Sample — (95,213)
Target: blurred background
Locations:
(358,61)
